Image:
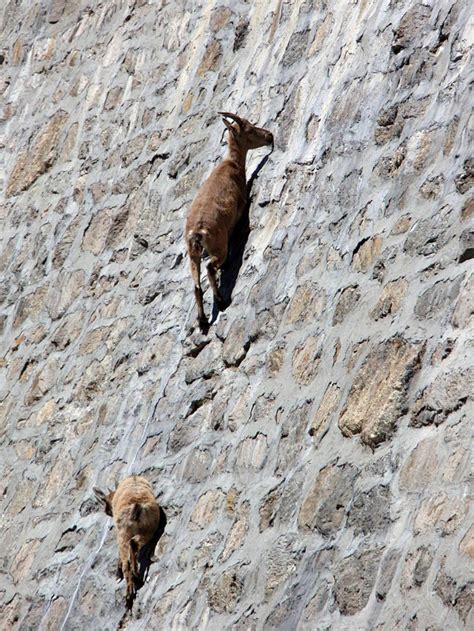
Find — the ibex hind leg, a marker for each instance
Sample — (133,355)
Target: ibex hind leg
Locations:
(196,274)
(216,262)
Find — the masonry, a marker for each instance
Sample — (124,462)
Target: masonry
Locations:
(312,452)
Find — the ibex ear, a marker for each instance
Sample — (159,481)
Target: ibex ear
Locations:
(104,500)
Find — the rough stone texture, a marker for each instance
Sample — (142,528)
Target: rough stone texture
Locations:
(352,311)
(378,395)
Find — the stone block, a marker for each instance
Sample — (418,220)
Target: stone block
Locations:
(354,579)
(348,299)
(210,58)
(391,299)
(466,546)
(370,511)
(281,561)
(449,392)
(463,314)
(237,533)
(39,157)
(325,505)
(292,438)
(306,359)
(366,252)
(306,306)
(224,594)
(206,509)
(440,514)
(252,452)
(377,398)
(421,467)
(326,409)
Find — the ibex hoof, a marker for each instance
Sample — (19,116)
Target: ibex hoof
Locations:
(203,325)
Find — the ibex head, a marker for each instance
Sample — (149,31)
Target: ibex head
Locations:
(105,500)
(248,136)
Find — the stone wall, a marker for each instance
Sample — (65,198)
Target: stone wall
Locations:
(312,452)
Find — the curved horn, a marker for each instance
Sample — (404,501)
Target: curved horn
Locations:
(233,117)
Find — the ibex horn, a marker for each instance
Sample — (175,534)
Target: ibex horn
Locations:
(233,117)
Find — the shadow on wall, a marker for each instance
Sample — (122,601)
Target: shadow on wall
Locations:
(231,268)
(148,550)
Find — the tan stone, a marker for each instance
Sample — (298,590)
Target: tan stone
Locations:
(23,561)
(219,18)
(21,498)
(446,393)
(188,101)
(70,142)
(325,410)
(441,514)
(24,450)
(30,306)
(275,360)
(96,232)
(252,451)
(312,127)
(39,157)
(237,533)
(206,509)
(457,463)
(114,96)
(307,304)
(467,211)
(11,614)
(63,292)
(421,467)
(210,58)
(42,382)
(348,299)
(224,594)
(231,500)
(54,615)
(377,397)
(69,330)
(93,381)
(17,52)
(391,299)
(364,255)
(327,501)
(463,316)
(323,31)
(93,339)
(54,482)
(64,245)
(419,148)
(467,543)
(306,360)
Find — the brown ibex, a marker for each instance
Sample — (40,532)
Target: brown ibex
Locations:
(140,522)
(218,206)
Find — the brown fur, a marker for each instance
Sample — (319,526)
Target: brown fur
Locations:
(137,518)
(218,206)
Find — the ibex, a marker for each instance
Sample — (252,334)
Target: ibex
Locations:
(140,522)
(218,206)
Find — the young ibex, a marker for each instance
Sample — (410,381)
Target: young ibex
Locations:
(218,206)
(140,522)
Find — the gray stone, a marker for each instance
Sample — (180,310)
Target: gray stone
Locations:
(370,511)
(327,502)
(354,579)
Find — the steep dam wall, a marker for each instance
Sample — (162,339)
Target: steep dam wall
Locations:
(312,452)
